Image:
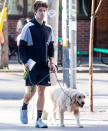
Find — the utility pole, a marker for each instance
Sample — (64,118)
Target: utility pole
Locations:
(52,19)
(69,30)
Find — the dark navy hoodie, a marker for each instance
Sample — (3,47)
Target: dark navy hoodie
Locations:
(36,42)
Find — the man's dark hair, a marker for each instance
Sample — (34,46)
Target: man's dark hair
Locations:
(39,3)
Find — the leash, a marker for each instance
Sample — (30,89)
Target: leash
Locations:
(33,85)
(61,87)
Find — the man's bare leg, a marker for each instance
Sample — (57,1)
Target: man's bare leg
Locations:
(40,105)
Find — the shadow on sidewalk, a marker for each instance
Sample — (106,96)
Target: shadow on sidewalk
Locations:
(16,127)
(5,95)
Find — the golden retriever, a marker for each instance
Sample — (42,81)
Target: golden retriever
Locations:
(61,100)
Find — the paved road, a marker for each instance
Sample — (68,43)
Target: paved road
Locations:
(11,85)
(11,95)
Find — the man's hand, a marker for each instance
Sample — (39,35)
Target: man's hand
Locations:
(26,71)
(52,68)
(26,67)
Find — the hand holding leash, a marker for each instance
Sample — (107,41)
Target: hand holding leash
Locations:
(52,68)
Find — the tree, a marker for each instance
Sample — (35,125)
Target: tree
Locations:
(52,19)
(93,16)
(4,46)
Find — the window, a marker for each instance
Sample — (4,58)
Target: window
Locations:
(83,9)
(30,7)
(20,8)
(15,7)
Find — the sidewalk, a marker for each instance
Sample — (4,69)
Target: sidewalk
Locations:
(9,119)
(12,87)
(98,67)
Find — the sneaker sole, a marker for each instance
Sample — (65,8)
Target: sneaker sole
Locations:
(23,122)
(41,127)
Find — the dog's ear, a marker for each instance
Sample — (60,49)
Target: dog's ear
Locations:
(73,97)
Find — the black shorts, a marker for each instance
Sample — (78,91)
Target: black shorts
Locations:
(39,75)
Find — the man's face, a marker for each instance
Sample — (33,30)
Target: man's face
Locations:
(40,13)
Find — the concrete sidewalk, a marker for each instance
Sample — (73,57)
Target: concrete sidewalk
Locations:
(98,67)
(12,91)
(9,119)
(12,86)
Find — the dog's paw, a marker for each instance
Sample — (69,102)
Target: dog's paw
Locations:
(80,126)
(50,122)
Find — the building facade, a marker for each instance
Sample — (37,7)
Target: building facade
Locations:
(23,8)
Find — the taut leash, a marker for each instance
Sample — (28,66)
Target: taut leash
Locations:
(33,85)
(62,87)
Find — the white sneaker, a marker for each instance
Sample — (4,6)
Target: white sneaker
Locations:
(40,124)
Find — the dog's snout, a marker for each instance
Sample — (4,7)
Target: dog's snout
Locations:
(83,103)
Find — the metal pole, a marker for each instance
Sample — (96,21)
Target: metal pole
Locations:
(69,42)
(72,42)
(65,36)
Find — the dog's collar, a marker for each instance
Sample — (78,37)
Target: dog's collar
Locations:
(78,103)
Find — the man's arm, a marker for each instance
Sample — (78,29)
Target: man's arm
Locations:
(51,60)
(23,44)
(51,57)
(22,51)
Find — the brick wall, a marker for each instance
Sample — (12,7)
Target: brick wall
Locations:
(83,31)
(83,28)
(60,28)
(12,28)
(102,26)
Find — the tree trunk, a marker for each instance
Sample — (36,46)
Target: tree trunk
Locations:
(4,47)
(93,15)
(52,20)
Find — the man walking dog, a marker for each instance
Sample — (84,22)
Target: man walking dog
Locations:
(36,46)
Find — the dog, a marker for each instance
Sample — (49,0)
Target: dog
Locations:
(61,100)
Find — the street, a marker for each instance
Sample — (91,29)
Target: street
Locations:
(11,85)
(11,97)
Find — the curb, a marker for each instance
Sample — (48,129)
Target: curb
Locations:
(59,71)
(94,71)
(7,71)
